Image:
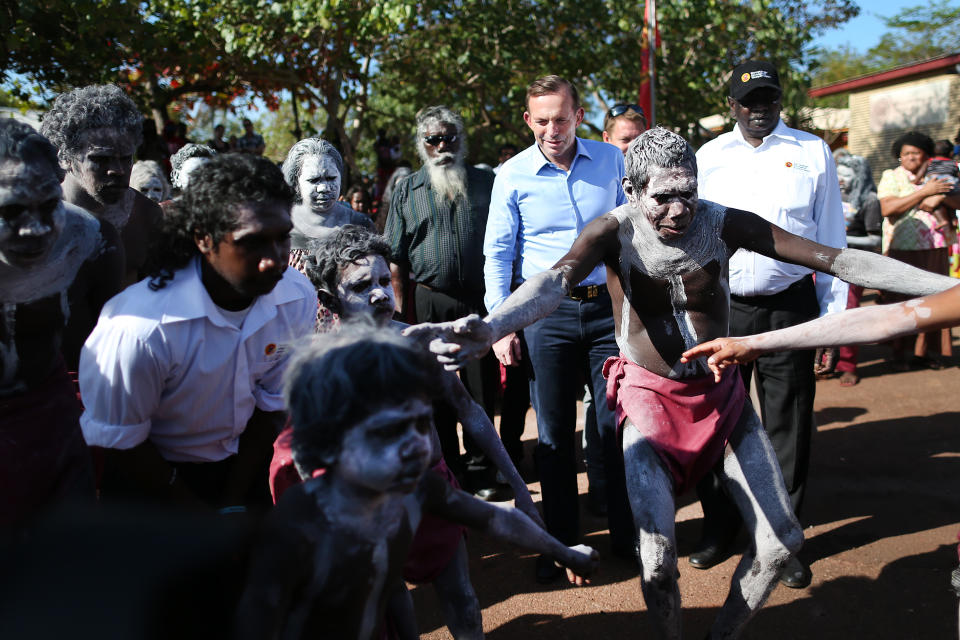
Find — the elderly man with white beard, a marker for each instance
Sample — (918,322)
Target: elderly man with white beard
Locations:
(436,224)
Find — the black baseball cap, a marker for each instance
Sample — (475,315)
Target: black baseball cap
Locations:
(752,75)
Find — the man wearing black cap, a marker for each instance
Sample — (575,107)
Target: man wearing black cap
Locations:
(788,177)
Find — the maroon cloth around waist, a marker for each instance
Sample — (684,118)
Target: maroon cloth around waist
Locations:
(687,422)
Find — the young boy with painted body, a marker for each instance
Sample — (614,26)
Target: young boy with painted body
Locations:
(51,253)
(333,550)
(351,272)
(666,254)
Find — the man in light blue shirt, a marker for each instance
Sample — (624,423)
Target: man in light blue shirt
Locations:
(542,199)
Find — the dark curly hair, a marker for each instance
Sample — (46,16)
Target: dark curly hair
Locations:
(915,139)
(329,256)
(20,141)
(337,379)
(208,207)
(94,107)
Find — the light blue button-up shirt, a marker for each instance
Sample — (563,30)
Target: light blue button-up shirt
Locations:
(537,210)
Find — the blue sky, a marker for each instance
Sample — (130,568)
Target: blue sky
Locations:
(865,30)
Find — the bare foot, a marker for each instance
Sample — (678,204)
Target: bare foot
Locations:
(848,379)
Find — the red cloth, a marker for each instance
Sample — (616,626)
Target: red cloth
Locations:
(687,422)
(435,541)
(43,457)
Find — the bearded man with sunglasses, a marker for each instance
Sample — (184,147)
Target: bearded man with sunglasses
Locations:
(789,178)
(435,227)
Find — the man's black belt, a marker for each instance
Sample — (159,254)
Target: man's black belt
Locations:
(587,292)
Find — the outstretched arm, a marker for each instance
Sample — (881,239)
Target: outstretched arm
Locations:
(869,270)
(471,337)
(476,423)
(856,326)
(506,523)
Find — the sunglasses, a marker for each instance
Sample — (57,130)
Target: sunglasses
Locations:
(435,140)
(620,109)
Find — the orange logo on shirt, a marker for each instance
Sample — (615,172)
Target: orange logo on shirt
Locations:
(270,350)
(789,164)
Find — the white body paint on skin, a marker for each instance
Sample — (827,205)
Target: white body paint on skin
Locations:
(319,183)
(873,271)
(118,213)
(78,240)
(641,248)
(379,560)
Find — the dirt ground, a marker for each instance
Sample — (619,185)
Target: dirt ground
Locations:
(881,520)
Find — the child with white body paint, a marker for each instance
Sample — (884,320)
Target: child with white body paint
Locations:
(350,271)
(332,552)
(666,254)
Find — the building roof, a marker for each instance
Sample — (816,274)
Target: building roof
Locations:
(945,61)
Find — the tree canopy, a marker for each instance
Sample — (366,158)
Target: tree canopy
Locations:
(914,33)
(348,67)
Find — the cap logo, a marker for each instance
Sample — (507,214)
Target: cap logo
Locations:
(270,349)
(789,164)
(744,77)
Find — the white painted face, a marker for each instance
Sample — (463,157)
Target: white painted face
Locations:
(389,450)
(668,202)
(31,212)
(846,176)
(319,183)
(365,289)
(152,188)
(102,168)
(188,167)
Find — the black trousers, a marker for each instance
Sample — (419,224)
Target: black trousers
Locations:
(786,386)
(480,377)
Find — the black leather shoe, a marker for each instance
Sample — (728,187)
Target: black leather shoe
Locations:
(796,574)
(547,570)
(711,552)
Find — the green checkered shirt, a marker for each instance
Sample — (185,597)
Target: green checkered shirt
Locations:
(441,243)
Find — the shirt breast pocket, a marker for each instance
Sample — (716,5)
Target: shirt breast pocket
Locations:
(799,195)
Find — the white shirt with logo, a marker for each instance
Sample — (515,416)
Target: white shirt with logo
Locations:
(169,366)
(789,180)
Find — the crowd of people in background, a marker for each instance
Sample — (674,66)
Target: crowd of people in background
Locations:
(151,321)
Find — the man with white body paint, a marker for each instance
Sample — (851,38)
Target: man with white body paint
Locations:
(314,169)
(350,271)
(96,130)
(666,256)
(51,253)
(148,178)
(185,161)
(435,227)
(331,555)
(788,177)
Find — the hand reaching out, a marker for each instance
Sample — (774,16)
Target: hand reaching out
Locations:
(722,352)
(454,343)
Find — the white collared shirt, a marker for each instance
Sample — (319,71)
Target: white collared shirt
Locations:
(789,180)
(168,366)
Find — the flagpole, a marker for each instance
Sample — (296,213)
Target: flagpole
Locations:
(652,53)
